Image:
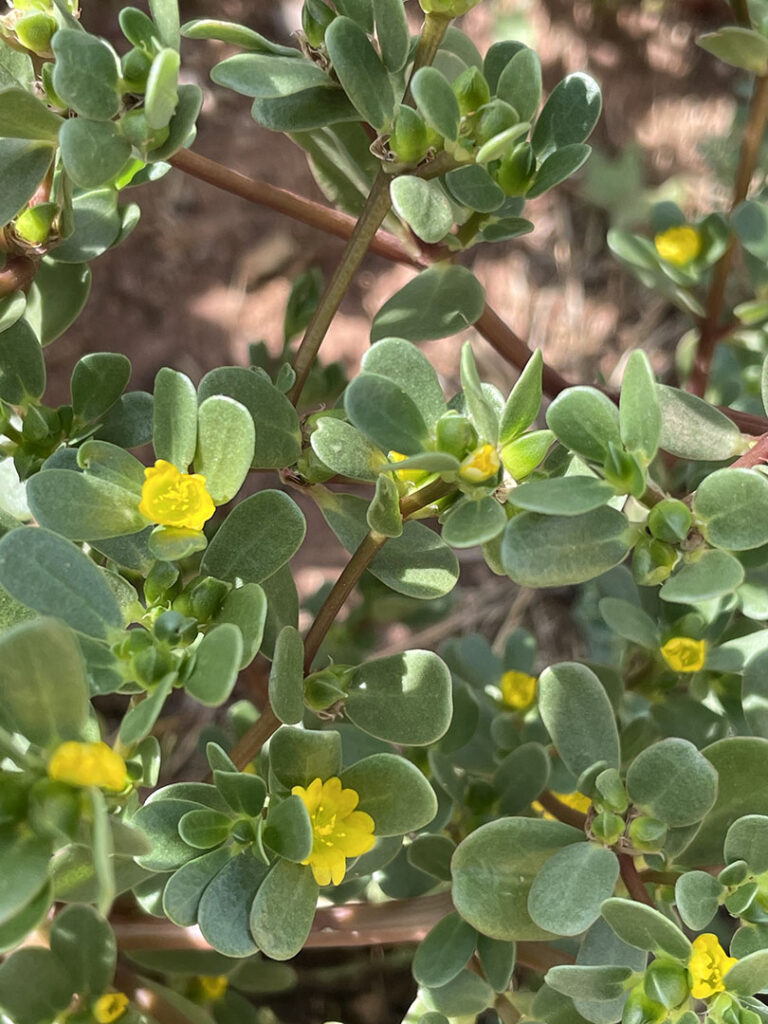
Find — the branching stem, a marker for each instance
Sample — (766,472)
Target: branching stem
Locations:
(632,880)
(750,150)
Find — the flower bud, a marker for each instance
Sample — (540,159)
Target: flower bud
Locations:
(493,119)
(455,434)
(623,472)
(134,67)
(151,665)
(607,827)
(207,597)
(652,562)
(316,16)
(161,582)
(666,982)
(639,1009)
(172,626)
(481,466)
(515,175)
(611,790)
(35,31)
(409,139)
(647,834)
(670,520)
(34,224)
(471,90)
(327,687)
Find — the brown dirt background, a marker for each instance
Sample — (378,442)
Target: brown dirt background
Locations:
(204,274)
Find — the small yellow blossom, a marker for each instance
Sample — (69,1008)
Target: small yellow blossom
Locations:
(408,476)
(110,1007)
(88,764)
(338,830)
(576,800)
(518,689)
(684,654)
(678,245)
(171,498)
(708,964)
(213,986)
(480,465)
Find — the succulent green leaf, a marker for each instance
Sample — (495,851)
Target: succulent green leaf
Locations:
(673,782)
(85,944)
(444,952)
(646,928)
(298,756)
(256,539)
(441,301)
(520,83)
(586,421)
(562,496)
(437,102)
(93,152)
(288,830)
(469,523)
(393,791)
(578,715)
(86,74)
(282,912)
(286,678)
(693,429)
(217,663)
(23,165)
(224,910)
(569,115)
(22,368)
(733,506)
(185,888)
(567,893)
(385,413)
(225,446)
(743,48)
(639,410)
(360,71)
(34,986)
(24,116)
(98,381)
(162,95)
(174,418)
(715,573)
(423,205)
(83,506)
(630,622)
(558,167)
(697,897)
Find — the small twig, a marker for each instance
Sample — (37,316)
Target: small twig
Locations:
(632,880)
(248,746)
(568,815)
(750,150)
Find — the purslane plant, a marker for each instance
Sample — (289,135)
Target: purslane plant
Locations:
(572,842)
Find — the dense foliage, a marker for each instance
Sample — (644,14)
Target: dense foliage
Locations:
(572,842)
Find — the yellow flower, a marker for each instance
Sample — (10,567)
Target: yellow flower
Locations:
(518,690)
(88,764)
(338,830)
(171,498)
(683,654)
(110,1007)
(213,986)
(480,465)
(678,245)
(708,963)
(576,800)
(408,476)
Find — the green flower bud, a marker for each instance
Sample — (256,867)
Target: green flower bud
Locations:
(652,562)
(315,19)
(515,175)
(325,688)
(151,665)
(623,472)
(51,96)
(311,468)
(134,67)
(455,434)
(670,520)
(639,1009)
(734,874)
(409,140)
(206,597)
(453,8)
(666,982)
(493,119)
(34,224)
(172,627)
(607,827)
(611,790)
(471,90)
(647,834)
(135,128)
(35,32)
(161,582)
(54,808)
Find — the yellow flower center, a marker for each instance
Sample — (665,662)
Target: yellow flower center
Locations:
(338,830)
(683,654)
(678,245)
(171,498)
(408,476)
(213,986)
(110,1007)
(518,689)
(708,964)
(480,465)
(88,764)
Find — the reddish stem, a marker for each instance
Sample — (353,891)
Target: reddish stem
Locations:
(632,880)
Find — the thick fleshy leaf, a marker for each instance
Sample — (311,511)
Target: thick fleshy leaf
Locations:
(223,913)
(569,115)
(436,102)
(94,152)
(282,912)
(470,523)
(639,411)
(174,418)
(586,421)
(342,448)
(286,678)
(405,698)
(393,791)
(441,301)
(86,74)
(360,71)
(693,429)
(256,539)
(404,364)
(673,782)
(646,928)
(562,496)
(578,715)
(733,507)
(83,506)
(47,573)
(444,952)
(85,944)
(715,573)
(22,368)
(568,892)
(23,164)
(423,205)
(225,446)
(494,869)
(385,413)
